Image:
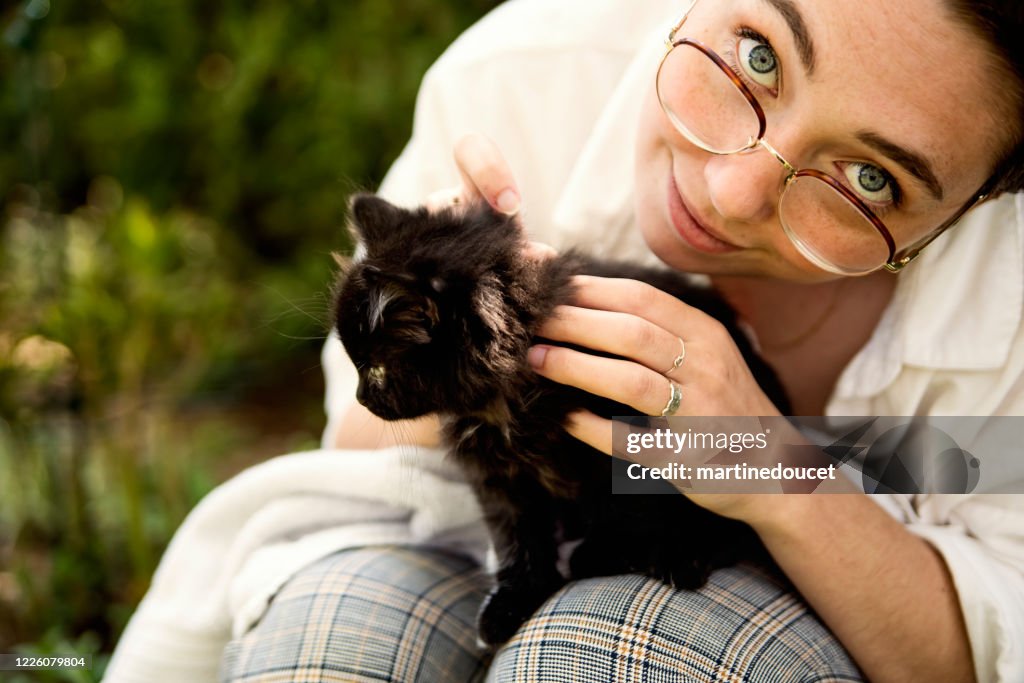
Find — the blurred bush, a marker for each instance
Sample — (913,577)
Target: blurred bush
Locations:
(174,175)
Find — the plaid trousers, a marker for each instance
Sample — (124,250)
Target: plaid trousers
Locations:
(408,615)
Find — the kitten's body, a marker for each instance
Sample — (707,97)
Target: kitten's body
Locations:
(438,317)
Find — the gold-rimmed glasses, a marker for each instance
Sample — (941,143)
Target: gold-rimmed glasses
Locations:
(828,223)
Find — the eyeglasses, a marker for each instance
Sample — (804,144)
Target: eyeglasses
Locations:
(828,223)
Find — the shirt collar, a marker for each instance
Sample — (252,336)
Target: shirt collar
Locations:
(957,307)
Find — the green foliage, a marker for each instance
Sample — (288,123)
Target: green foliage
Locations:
(259,115)
(174,175)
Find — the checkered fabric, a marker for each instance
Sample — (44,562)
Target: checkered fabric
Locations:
(743,625)
(408,615)
(368,614)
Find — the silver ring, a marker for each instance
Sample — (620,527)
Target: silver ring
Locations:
(674,399)
(678,360)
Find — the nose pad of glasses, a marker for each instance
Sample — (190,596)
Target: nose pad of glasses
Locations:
(790,169)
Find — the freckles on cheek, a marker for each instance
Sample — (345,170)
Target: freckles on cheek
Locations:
(653,155)
(653,127)
(654,167)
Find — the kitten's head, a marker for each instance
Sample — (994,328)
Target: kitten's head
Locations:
(426,311)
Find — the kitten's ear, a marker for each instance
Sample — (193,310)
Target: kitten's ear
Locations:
(372,217)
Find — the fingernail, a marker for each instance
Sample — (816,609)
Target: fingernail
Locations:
(535,356)
(508,202)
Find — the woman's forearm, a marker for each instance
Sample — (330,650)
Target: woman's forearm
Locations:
(884,592)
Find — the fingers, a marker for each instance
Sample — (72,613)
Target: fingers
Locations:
(538,251)
(642,300)
(622,334)
(485,173)
(656,340)
(642,389)
(442,199)
(592,430)
(485,176)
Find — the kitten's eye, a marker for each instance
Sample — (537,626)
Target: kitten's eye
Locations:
(758,60)
(870,182)
(376,374)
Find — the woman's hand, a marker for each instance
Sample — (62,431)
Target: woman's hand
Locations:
(485,175)
(643,326)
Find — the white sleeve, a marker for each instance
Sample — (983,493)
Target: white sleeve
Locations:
(982,543)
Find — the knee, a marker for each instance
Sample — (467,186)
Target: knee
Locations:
(742,624)
(381,613)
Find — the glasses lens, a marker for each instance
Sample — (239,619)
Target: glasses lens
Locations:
(828,229)
(703,102)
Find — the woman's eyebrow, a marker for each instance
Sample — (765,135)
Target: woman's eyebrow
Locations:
(914,164)
(801,36)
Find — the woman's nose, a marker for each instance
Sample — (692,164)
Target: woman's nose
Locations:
(745,187)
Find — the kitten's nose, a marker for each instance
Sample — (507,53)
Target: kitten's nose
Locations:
(361,392)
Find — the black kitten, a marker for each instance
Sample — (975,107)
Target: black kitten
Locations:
(437,317)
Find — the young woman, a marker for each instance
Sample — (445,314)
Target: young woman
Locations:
(800,154)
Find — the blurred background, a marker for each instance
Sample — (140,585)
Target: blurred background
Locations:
(173,179)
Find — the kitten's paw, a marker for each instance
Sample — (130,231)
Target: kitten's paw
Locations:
(501,615)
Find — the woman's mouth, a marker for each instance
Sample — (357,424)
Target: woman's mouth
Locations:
(692,232)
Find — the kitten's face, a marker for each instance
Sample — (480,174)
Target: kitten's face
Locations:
(425,332)
(391,333)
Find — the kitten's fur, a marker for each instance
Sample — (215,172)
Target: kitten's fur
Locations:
(437,316)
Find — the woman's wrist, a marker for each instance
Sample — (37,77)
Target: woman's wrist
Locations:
(773,514)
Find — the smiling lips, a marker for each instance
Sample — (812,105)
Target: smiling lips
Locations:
(689,228)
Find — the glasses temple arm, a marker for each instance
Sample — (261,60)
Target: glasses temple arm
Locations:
(908,254)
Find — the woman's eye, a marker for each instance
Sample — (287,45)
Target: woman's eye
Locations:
(759,62)
(870,182)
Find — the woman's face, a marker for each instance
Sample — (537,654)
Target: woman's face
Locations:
(898,86)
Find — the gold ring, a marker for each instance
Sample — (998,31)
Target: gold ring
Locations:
(678,360)
(674,399)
